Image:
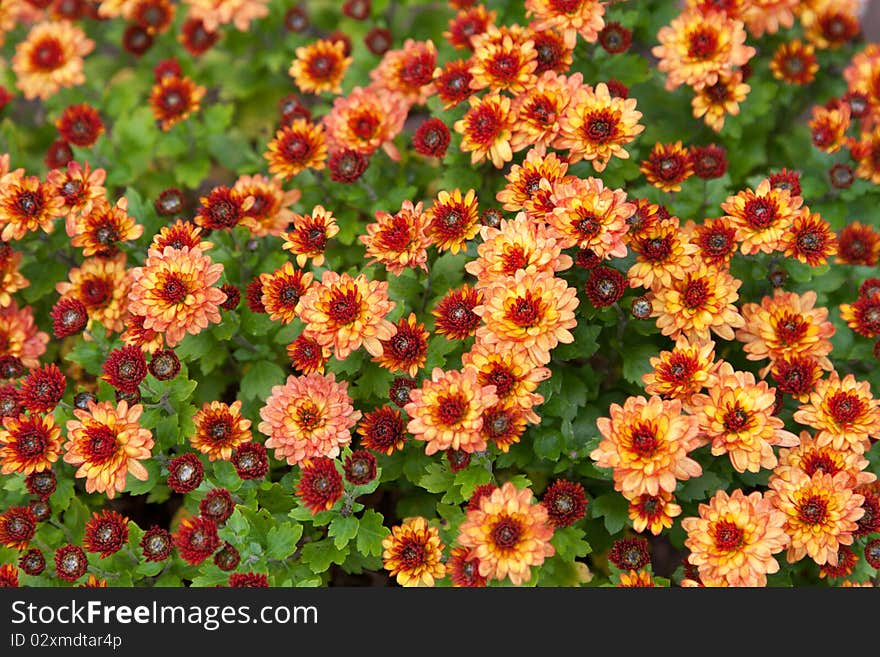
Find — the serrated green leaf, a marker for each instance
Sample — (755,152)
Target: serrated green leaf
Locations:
(321,554)
(281,540)
(258,380)
(371,533)
(613,509)
(342,529)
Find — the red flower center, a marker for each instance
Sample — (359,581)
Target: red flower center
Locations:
(541,111)
(727,536)
(396,237)
(484,125)
(412,554)
(173,101)
(736,420)
(525,312)
(71,191)
(96,292)
(657,249)
(418,70)
(696,293)
(513,259)
(295,148)
(405,345)
(600,127)
(650,505)
(586,224)
(308,416)
(31,444)
(669,167)
(385,430)
(703,43)
(791,328)
(102,444)
(450,410)
(321,66)
(504,66)
(345,307)
(644,440)
(106,234)
(364,125)
(566,6)
(810,241)
(820,462)
(174,290)
(846,407)
(760,213)
(680,368)
(219,429)
(506,533)
(29,204)
(47,54)
(812,510)
(289,295)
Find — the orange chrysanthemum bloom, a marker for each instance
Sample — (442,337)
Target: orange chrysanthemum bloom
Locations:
(647,442)
(844,412)
(49,58)
(486,129)
(590,216)
(307,356)
(408,73)
(467,23)
(407,349)
(454,314)
(220,429)
(571,17)
(452,82)
(509,368)
(596,126)
(736,416)
(102,285)
(714,102)
(174,292)
(320,66)
(19,335)
(282,290)
(697,303)
(136,335)
(715,239)
(636,579)
(413,553)
(398,241)
(829,126)
(831,23)
(663,252)
(795,62)
(866,151)
(308,417)
(810,457)
(446,412)
(769,16)
(173,99)
(796,375)
(786,324)
(503,59)
(366,120)
(762,216)
(26,205)
(653,512)
(214,13)
(11,279)
(667,166)
(296,147)
(733,541)
(696,47)
(821,513)
(78,186)
(809,239)
(345,313)
(523,190)
(309,236)
(539,108)
(108,443)
(513,246)
(858,244)
(682,372)
(270,213)
(101,230)
(863,315)
(532,309)
(178,235)
(29,443)
(452,220)
(508,534)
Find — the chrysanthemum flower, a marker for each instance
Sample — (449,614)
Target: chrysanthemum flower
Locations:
(831,24)
(653,512)
(714,102)
(762,216)
(217,505)
(155,16)
(715,240)
(407,72)
(539,108)
(503,425)
(214,13)
(320,66)
(196,539)
(734,539)
(596,126)
(486,129)
(298,146)
(710,161)
(645,217)
(345,313)
(19,336)
(843,411)
(510,369)
(863,315)
(796,375)
(173,99)
(809,239)
(523,189)
(308,238)
(308,417)
(663,253)
(858,244)
(227,557)
(250,461)
(810,457)
(222,209)
(508,534)
(178,235)
(565,501)
(682,372)
(532,309)
(667,166)
(794,62)
(452,82)
(220,429)
(320,485)
(503,60)
(413,553)
(307,355)
(605,286)
(108,443)
(570,17)
(26,205)
(829,126)
(696,47)
(464,570)
(360,467)
(100,231)
(49,58)
(697,303)
(407,349)
(106,532)
(17,527)
(431,138)
(769,16)
(42,389)
(590,216)
(80,125)
(196,38)
(636,579)
(786,324)
(29,443)
(33,562)
(647,442)
(554,54)
(185,473)
(366,120)
(282,290)
(821,513)
(846,563)
(42,484)
(468,23)
(78,186)
(398,241)
(630,553)
(736,416)
(452,220)
(454,314)
(269,214)
(447,411)
(70,562)
(102,286)
(383,430)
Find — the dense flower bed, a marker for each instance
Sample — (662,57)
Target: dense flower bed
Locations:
(557,293)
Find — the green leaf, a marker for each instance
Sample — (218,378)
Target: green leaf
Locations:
(470,478)
(258,381)
(437,478)
(136,487)
(569,543)
(237,523)
(700,488)
(321,554)
(371,533)
(226,476)
(613,509)
(342,529)
(281,540)
(635,361)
